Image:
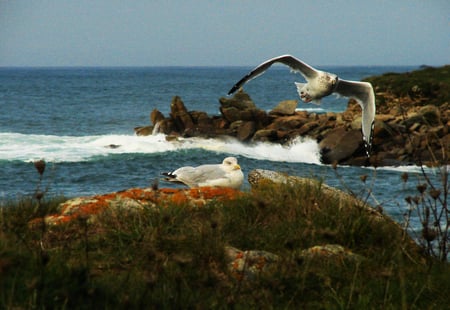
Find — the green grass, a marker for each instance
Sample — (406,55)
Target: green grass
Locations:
(173,257)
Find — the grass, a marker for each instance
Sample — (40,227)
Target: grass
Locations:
(173,257)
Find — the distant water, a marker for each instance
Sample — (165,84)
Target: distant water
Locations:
(69,117)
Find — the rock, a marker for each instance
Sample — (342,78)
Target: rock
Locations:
(331,116)
(286,107)
(261,177)
(144,131)
(203,125)
(167,126)
(246,131)
(179,114)
(156,116)
(356,123)
(384,117)
(248,265)
(331,252)
(340,144)
(306,128)
(382,130)
(172,138)
(113,146)
(265,135)
(240,101)
(136,199)
(261,118)
(288,122)
(399,120)
(230,114)
(246,115)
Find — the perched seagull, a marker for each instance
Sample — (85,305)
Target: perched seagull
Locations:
(320,84)
(227,174)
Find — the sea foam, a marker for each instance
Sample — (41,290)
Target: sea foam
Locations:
(16,146)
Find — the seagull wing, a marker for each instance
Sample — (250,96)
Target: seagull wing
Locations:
(295,64)
(364,95)
(194,176)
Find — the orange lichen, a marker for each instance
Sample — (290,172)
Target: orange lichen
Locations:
(179,198)
(91,206)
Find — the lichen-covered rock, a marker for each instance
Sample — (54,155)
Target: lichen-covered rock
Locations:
(248,265)
(135,199)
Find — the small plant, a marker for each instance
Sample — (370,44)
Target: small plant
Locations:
(431,206)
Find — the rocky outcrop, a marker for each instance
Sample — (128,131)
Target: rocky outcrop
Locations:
(242,265)
(136,199)
(261,177)
(408,129)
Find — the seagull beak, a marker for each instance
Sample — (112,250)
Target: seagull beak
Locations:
(237,167)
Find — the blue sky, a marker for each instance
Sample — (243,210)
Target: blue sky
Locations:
(223,32)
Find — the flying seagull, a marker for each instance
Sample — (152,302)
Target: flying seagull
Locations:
(227,174)
(320,84)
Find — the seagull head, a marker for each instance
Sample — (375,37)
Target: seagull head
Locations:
(231,163)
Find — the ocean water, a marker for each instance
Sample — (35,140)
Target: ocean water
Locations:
(69,117)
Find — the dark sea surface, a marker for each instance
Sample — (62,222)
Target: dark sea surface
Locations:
(68,117)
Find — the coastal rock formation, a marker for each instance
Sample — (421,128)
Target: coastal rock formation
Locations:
(135,199)
(411,127)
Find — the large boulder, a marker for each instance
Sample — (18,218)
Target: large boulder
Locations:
(339,144)
(180,115)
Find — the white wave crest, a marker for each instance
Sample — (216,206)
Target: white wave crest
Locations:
(16,146)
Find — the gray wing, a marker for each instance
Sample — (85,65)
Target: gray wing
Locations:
(199,175)
(295,64)
(364,95)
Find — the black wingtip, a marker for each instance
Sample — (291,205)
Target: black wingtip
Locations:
(232,90)
(368,149)
(368,144)
(169,175)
